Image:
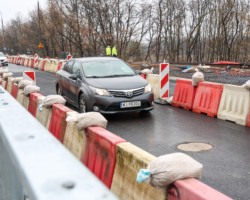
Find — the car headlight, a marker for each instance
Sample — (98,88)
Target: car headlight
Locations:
(5,60)
(148,88)
(101,92)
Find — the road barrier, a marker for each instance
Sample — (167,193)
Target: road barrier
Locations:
(34,165)
(9,84)
(100,153)
(192,189)
(58,121)
(234,104)
(33,103)
(32,62)
(22,61)
(184,94)
(40,63)
(207,98)
(248,120)
(47,67)
(129,160)
(74,140)
(143,76)
(154,81)
(36,61)
(44,116)
(22,99)
(14,90)
(43,64)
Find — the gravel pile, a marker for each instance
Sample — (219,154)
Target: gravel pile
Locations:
(239,79)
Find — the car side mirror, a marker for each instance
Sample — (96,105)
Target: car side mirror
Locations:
(138,72)
(73,76)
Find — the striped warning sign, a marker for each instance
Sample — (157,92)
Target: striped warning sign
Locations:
(164,74)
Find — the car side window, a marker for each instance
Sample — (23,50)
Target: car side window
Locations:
(68,66)
(76,69)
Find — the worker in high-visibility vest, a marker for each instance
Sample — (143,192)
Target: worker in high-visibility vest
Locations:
(108,50)
(114,52)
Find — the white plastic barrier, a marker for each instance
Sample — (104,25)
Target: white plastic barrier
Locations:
(234,104)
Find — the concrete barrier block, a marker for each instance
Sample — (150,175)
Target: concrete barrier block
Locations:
(14,90)
(154,80)
(234,104)
(74,140)
(40,64)
(33,103)
(129,160)
(45,115)
(47,67)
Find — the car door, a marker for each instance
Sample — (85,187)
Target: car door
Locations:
(75,84)
(65,79)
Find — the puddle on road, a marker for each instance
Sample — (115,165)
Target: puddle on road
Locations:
(194,146)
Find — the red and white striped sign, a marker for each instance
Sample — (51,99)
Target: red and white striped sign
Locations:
(164,74)
(36,61)
(18,59)
(31,76)
(69,57)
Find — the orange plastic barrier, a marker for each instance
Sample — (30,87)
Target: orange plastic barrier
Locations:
(100,153)
(248,120)
(33,103)
(58,122)
(192,189)
(184,94)
(14,90)
(43,65)
(207,98)
(143,76)
(59,66)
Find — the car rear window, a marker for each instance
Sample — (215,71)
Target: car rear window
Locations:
(107,69)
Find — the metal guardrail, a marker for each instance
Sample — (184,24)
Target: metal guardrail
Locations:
(34,165)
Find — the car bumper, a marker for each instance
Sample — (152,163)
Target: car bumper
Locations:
(111,105)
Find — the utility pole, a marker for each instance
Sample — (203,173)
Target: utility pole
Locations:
(3,31)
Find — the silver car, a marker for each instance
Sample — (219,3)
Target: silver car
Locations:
(3,59)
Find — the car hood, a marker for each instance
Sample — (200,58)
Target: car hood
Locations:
(3,57)
(118,83)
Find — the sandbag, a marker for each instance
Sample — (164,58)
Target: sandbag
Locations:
(51,99)
(166,169)
(22,84)
(197,77)
(247,85)
(17,79)
(6,75)
(88,119)
(3,71)
(31,88)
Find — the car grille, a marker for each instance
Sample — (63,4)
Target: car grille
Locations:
(127,93)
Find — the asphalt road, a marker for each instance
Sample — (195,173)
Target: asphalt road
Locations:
(226,167)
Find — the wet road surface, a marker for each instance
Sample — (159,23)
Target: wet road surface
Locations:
(226,166)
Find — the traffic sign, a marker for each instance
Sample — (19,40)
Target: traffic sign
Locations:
(4,48)
(31,76)
(40,45)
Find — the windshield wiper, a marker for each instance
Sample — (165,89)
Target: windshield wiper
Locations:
(95,76)
(119,75)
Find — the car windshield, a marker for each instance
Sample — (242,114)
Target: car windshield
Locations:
(1,54)
(105,69)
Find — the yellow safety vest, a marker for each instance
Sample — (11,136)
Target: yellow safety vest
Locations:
(114,51)
(108,51)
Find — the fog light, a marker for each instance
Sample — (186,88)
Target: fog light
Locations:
(96,108)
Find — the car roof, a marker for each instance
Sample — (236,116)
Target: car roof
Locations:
(93,59)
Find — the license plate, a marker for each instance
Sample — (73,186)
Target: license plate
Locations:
(130,104)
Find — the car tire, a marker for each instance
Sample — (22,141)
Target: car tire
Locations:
(59,90)
(82,104)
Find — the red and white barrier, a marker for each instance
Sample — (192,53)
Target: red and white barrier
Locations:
(69,57)
(164,74)
(36,61)
(18,59)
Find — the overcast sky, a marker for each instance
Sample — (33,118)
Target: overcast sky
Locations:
(11,8)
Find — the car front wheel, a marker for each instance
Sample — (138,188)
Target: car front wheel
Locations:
(82,104)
